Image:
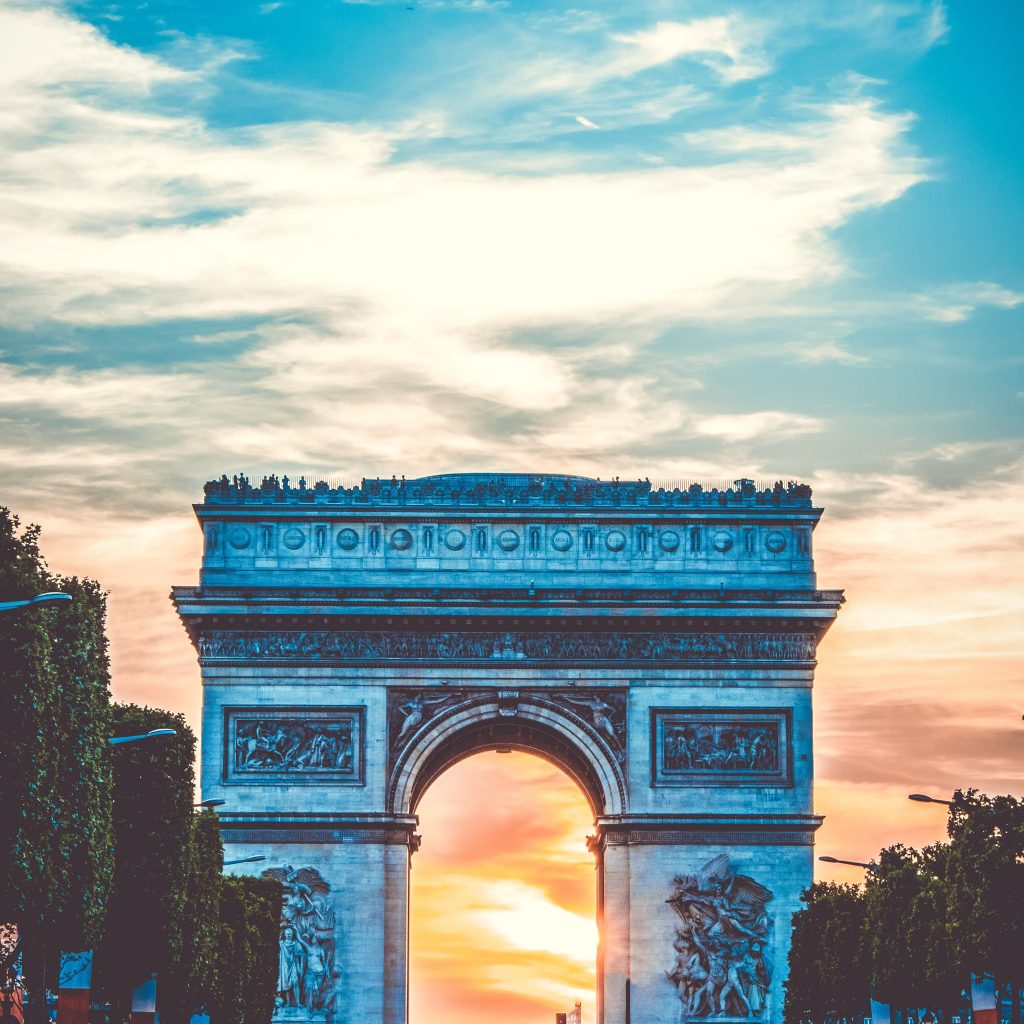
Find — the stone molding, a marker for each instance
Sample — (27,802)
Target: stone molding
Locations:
(708,830)
(317,829)
(504,647)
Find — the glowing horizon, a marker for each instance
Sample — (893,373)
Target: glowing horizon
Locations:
(682,241)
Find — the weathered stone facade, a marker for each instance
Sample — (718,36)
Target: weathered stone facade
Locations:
(659,646)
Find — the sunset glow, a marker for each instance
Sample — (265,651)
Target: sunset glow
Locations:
(338,238)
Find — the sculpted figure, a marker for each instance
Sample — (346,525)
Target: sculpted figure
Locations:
(415,712)
(720,968)
(600,713)
(290,968)
(316,973)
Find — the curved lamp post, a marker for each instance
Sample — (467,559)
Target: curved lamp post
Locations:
(50,595)
(923,798)
(210,804)
(244,860)
(852,863)
(116,741)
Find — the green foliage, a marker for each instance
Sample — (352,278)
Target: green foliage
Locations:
(264,924)
(912,957)
(827,963)
(153,790)
(248,949)
(188,983)
(55,784)
(985,880)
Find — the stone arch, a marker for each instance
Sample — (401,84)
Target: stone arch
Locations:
(508,720)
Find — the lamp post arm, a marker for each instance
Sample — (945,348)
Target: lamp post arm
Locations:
(49,596)
(116,741)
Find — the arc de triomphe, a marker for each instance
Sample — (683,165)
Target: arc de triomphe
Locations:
(658,646)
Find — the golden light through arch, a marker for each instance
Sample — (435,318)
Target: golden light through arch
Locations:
(502,917)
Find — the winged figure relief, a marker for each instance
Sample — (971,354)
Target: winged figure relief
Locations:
(306,960)
(720,969)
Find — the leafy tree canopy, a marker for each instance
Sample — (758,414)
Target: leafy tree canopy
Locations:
(828,970)
(153,793)
(55,778)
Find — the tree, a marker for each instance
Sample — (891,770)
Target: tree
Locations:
(247,957)
(828,969)
(55,784)
(190,982)
(912,956)
(985,882)
(153,791)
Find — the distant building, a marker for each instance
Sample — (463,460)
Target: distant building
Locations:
(573,1016)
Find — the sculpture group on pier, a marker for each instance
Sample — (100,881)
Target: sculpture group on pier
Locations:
(306,948)
(720,968)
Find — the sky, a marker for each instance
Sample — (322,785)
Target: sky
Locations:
(668,239)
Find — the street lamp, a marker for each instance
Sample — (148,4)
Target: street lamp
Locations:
(923,798)
(210,803)
(116,741)
(852,863)
(50,595)
(244,860)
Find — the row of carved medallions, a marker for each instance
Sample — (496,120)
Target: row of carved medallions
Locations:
(600,711)
(722,966)
(482,541)
(567,646)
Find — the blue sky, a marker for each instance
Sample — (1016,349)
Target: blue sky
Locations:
(668,239)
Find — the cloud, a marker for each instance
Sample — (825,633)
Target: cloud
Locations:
(41,46)
(744,426)
(585,121)
(729,46)
(954,303)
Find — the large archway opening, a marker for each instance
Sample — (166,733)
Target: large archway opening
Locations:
(503,890)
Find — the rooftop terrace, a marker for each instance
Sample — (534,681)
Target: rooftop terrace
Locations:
(501,490)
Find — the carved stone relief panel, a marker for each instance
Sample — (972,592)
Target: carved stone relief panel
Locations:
(600,710)
(294,744)
(722,747)
(473,645)
(307,943)
(722,968)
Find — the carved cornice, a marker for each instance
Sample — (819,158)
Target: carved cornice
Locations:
(437,600)
(503,490)
(708,830)
(317,829)
(492,647)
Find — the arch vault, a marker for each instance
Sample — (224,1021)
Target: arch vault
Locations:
(657,645)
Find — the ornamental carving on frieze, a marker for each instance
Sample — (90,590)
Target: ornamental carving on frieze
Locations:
(476,646)
(722,970)
(599,711)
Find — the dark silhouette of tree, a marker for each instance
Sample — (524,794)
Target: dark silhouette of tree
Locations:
(250,920)
(907,936)
(828,969)
(985,883)
(147,919)
(55,782)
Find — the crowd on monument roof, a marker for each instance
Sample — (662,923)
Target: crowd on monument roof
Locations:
(498,489)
